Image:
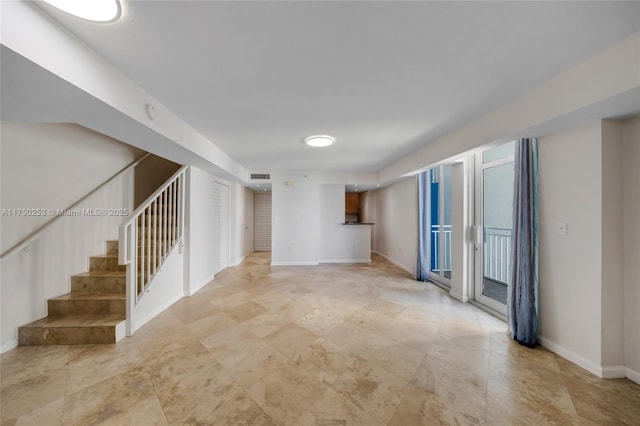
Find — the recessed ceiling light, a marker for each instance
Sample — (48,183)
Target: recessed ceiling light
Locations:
(319,141)
(94,10)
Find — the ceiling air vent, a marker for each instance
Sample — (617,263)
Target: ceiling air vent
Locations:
(263,176)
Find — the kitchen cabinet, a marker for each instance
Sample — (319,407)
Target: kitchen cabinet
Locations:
(352,203)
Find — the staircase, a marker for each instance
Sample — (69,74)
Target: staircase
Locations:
(94,312)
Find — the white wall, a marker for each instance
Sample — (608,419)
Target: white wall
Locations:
(202,242)
(631,243)
(341,243)
(108,100)
(570,272)
(396,218)
(48,165)
(604,85)
(201,246)
(165,289)
(306,216)
(583,312)
(52,166)
(296,212)
(612,278)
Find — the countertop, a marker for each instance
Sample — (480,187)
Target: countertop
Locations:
(357,223)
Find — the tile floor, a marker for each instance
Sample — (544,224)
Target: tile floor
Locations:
(327,345)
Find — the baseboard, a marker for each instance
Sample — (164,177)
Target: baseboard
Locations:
(458,296)
(614,372)
(345,261)
(121,330)
(294,263)
(398,264)
(193,291)
(633,375)
(239,261)
(590,366)
(7,346)
(159,309)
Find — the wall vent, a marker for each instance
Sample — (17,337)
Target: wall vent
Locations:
(262,176)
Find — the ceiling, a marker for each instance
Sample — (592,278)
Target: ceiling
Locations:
(383,78)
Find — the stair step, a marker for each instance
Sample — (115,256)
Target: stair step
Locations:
(73,330)
(112,248)
(105,263)
(99,281)
(87,303)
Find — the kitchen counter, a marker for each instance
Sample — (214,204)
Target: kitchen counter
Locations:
(357,223)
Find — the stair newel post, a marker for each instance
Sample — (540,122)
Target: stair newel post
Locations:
(165,224)
(181,209)
(170,218)
(131,258)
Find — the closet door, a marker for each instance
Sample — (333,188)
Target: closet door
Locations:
(249,211)
(221,225)
(262,218)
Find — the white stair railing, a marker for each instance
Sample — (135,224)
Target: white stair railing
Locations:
(148,237)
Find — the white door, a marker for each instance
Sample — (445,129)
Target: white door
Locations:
(262,219)
(440,226)
(247,247)
(494,198)
(221,224)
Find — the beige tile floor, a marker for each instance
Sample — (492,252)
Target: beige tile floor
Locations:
(327,345)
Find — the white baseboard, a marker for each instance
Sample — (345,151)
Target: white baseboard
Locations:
(305,263)
(121,330)
(590,366)
(395,262)
(239,261)
(633,375)
(345,261)
(194,290)
(157,311)
(458,296)
(613,372)
(602,371)
(7,346)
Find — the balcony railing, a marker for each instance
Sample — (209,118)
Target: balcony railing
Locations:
(497,249)
(435,247)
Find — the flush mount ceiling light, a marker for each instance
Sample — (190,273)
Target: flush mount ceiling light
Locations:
(319,141)
(92,10)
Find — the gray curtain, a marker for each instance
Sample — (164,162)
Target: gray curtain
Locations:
(424,225)
(522,293)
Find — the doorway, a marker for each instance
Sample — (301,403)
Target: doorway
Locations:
(440,226)
(493,214)
(262,221)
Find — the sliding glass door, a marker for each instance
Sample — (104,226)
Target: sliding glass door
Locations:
(494,197)
(440,226)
